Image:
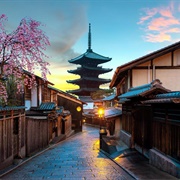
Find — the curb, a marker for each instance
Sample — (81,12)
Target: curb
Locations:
(129,172)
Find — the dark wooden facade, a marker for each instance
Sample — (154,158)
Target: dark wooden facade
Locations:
(166,129)
(152,121)
(72,106)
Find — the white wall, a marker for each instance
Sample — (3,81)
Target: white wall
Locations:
(34,97)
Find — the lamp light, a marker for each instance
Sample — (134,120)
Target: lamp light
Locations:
(101,112)
(78,109)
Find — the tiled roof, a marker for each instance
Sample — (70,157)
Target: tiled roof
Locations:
(171,97)
(98,69)
(48,106)
(144,90)
(90,55)
(73,98)
(112,112)
(173,94)
(60,109)
(109,98)
(9,108)
(134,92)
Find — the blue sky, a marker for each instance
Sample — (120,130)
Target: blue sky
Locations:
(121,29)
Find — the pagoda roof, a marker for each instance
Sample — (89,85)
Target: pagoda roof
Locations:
(85,79)
(98,69)
(83,91)
(91,56)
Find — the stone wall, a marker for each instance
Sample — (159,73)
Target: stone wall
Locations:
(126,138)
(164,163)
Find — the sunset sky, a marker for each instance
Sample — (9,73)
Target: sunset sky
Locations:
(121,29)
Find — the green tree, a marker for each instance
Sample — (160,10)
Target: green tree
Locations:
(100,94)
(11,88)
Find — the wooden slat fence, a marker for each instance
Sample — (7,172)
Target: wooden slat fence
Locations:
(166,131)
(127,119)
(12,140)
(37,134)
(68,124)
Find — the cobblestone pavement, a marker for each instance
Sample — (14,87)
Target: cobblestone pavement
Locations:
(75,158)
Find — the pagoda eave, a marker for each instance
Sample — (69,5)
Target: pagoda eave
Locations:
(90,56)
(88,81)
(82,70)
(83,91)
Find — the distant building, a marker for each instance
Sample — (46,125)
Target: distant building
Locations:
(89,72)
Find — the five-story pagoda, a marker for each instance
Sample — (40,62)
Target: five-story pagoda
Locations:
(89,72)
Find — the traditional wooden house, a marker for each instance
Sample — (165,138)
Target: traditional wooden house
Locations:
(163,64)
(71,103)
(150,124)
(136,118)
(38,94)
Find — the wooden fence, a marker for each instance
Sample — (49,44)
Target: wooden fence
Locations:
(37,132)
(42,130)
(166,130)
(12,136)
(22,136)
(67,125)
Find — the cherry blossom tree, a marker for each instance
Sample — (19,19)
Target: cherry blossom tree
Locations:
(22,51)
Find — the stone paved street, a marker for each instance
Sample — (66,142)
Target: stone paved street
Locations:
(74,158)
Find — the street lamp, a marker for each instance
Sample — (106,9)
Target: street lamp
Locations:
(101,115)
(102,131)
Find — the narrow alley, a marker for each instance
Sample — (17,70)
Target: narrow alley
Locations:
(75,158)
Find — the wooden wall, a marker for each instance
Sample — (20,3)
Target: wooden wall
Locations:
(166,129)
(12,136)
(127,119)
(72,107)
(37,130)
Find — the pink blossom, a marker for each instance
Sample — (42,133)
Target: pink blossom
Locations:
(22,49)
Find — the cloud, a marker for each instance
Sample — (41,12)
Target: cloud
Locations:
(160,23)
(160,37)
(71,25)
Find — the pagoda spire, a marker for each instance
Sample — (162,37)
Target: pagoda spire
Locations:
(89,38)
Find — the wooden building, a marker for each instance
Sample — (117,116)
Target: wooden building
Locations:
(163,64)
(71,103)
(150,124)
(38,94)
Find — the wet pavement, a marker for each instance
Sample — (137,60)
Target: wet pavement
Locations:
(138,166)
(78,157)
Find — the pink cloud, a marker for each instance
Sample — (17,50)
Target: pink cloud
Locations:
(166,12)
(160,23)
(158,37)
(149,14)
(172,30)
